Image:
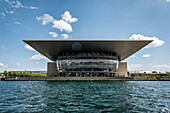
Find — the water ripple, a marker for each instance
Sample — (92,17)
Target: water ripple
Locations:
(69,96)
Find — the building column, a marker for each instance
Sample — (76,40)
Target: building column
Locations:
(51,69)
(122,69)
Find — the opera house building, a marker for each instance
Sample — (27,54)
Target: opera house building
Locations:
(90,58)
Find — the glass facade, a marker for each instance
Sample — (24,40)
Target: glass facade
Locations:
(87,64)
(87,55)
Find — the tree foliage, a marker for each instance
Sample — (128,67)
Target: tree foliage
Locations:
(5,73)
(168,73)
(154,72)
(22,74)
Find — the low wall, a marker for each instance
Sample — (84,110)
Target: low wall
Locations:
(146,78)
(68,78)
(87,79)
(165,78)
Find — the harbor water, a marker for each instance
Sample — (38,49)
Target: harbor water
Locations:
(84,96)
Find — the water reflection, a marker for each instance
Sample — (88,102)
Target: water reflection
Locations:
(69,96)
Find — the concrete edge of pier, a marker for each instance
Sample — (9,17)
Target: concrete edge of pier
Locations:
(86,79)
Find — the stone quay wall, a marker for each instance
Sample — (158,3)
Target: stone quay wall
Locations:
(86,79)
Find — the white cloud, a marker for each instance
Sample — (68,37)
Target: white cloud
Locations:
(32,7)
(18,4)
(37,57)
(3,65)
(53,34)
(3,14)
(29,47)
(65,36)
(62,25)
(68,18)
(133,56)
(147,55)
(135,65)
(162,67)
(8,12)
(15,4)
(18,23)
(37,62)
(156,42)
(167,0)
(11,12)
(46,18)
(18,64)
(3,47)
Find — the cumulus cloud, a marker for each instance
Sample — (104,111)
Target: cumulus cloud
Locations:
(65,36)
(46,18)
(3,65)
(68,18)
(147,55)
(29,47)
(62,25)
(155,43)
(37,57)
(162,67)
(53,34)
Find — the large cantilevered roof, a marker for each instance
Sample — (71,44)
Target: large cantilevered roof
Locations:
(120,48)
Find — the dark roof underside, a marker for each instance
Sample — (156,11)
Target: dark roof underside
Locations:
(120,48)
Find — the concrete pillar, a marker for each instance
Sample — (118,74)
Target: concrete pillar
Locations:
(51,69)
(122,69)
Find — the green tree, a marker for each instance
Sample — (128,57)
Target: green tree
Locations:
(154,72)
(21,74)
(168,73)
(10,73)
(5,73)
(14,74)
(18,74)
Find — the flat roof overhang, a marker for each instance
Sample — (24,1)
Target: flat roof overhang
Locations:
(120,48)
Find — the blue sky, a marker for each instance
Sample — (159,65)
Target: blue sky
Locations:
(84,20)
